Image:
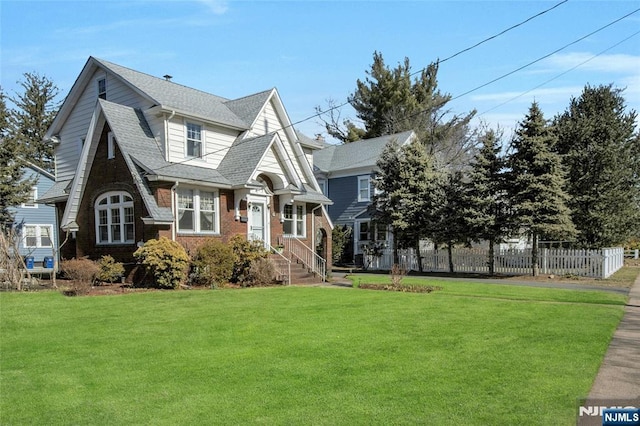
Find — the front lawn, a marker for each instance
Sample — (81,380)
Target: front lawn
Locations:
(301,355)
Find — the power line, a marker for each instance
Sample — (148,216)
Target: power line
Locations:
(544,57)
(561,74)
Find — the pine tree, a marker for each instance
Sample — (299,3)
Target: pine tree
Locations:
(34,112)
(536,183)
(486,205)
(391,100)
(409,194)
(13,190)
(450,227)
(602,155)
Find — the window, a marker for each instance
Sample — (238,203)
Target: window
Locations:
(364,233)
(30,202)
(194,140)
(37,236)
(294,220)
(197,211)
(115,219)
(323,186)
(111,150)
(364,188)
(102,88)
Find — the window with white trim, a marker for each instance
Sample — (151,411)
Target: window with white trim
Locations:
(364,188)
(111,148)
(102,88)
(194,140)
(37,236)
(294,220)
(115,222)
(323,186)
(30,202)
(197,211)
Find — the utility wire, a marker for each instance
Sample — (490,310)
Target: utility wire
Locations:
(561,74)
(544,57)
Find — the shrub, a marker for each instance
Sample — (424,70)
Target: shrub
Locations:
(82,273)
(166,260)
(339,240)
(110,270)
(261,272)
(213,263)
(397,274)
(244,253)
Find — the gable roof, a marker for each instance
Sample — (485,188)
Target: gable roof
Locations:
(359,154)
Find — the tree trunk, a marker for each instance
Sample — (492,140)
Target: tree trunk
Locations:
(450,254)
(534,254)
(396,257)
(492,258)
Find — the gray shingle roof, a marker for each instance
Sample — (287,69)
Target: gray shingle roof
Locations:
(58,191)
(243,158)
(360,154)
(175,96)
(248,107)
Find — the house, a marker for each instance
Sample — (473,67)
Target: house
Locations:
(140,157)
(34,222)
(345,174)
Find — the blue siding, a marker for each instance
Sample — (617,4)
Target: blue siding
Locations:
(40,215)
(344,194)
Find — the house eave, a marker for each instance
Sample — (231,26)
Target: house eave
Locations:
(152,221)
(173,179)
(160,110)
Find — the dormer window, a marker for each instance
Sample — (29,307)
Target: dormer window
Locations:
(102,88)
(194,140)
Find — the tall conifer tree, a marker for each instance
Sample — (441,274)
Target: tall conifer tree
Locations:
(536,183)
(600,149)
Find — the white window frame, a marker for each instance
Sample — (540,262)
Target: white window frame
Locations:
(108,207)
(322,183)
(197,209)
(362,188)
(30,203)
(188,140)
(39,233)
(298,218)
(111,149)
(102,94)
(373,233)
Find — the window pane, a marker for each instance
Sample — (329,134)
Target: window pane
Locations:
(127,198)
(288,211)
(193,149)
(128,229)
(364,231)
(45,241)
(115,199)
(207,221)
(115,215)
(185,199)
(299,227)
(103,217)
(103,231)
(185,222)
(206,201)
(287,227)
(116,236)
(128,214)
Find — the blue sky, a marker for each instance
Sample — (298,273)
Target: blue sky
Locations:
(313,51)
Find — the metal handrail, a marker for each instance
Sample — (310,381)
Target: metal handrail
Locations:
(312,260)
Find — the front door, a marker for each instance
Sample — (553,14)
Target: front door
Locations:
(256,223)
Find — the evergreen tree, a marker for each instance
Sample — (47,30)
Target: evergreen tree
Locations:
(34,113)
(536,183)
(602,155)
(390,101)
(13,190)
(409,194)
(450,227)
(486,204)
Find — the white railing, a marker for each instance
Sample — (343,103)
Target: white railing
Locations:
(282,258)
(314,262)
(589,263)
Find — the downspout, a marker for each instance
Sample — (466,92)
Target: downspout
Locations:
(313,227)
(173,211)
(166,135)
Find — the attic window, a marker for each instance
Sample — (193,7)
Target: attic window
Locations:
(194,140)
(111,150)
(102,88)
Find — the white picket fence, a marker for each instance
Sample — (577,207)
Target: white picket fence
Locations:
(586,263)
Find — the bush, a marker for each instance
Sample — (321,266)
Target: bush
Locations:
(82,273)
(213,263)
(261,272)
(110,270)
(166,260)
(245,252)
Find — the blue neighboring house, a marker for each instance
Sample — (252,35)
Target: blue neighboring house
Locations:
(345,174)
(36,223)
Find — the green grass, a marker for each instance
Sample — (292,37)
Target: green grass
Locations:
(300,355)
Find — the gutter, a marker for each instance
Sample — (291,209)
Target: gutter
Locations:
(174,208)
